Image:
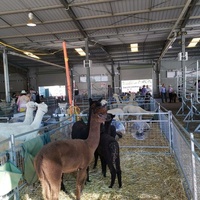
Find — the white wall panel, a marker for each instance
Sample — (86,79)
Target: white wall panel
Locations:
(135,74)
(51,79)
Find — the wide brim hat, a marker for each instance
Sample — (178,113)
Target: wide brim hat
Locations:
(23,92)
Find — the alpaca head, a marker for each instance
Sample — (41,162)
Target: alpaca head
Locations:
(110,116)
(42,107)
(31,104)
(99,110)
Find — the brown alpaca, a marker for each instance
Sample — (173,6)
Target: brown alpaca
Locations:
(67,156)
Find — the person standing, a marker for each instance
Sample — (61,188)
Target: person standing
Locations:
(144,90)
(171,93)
(163,93)
(148,89)
(32,95)
(22,100)
(110,93)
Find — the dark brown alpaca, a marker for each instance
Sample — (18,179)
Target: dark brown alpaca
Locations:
(68,156)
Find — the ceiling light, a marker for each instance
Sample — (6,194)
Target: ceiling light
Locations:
(31,55)
(194,42)
(134,47)
(30,20)
(80,52)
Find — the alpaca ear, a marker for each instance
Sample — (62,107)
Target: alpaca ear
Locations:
(104,102)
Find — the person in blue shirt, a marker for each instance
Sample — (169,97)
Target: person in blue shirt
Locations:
(163,93)
(144,90)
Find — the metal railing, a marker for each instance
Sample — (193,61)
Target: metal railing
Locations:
(177,142)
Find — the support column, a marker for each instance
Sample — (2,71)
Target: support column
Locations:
(113,77)
(183,81)
(68,84)
(119,79)
(157,74)
(6,76)
(87,68)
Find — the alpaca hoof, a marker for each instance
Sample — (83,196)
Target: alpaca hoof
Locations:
(110,186)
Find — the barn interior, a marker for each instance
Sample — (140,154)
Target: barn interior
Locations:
(126,44)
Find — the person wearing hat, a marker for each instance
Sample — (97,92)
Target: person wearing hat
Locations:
(22,100)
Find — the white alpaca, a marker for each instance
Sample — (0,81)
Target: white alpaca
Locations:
(121,104)
(138,110)
(118,112)
(132,100)
(116,97)
(63,107)
(134,109)
(5,132)
(30,108)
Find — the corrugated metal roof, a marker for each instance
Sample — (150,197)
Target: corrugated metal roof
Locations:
(108,24)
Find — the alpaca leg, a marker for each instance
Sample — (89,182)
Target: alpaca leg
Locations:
(119,173)
(119,177)
(103,166)
(62,185)
(55,189)
(45,190)
(51,183)
(88,178)
(96,155)
(81,177)
(113,174)
(50,189)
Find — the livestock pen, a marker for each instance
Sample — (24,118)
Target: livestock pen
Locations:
(161,162)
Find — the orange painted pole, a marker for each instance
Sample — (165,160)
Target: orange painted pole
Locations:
(68,84)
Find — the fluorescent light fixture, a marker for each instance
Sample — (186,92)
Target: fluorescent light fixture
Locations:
(31,55)
(134,47)
(30,23)
(30,20)
(194,42)
(80,52)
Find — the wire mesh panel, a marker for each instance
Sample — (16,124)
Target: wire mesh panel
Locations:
(22,155)
(184,156)
(147,134)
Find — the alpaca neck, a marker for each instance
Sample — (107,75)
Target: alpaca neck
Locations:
(131,99)
(94,134)
(28,116)
(38,118)
(117,100)
(107,127)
